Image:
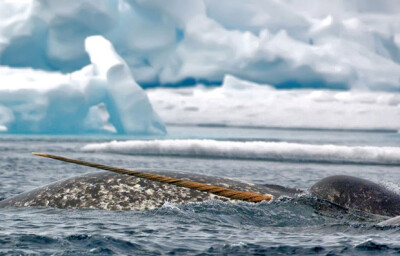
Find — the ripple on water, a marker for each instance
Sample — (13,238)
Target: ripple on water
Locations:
(208,228)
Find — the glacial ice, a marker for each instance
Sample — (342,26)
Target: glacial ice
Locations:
(100,97)
(340,60)
(287,44)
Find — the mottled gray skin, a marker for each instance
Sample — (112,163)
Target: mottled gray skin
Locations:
(110,191)
(359,194)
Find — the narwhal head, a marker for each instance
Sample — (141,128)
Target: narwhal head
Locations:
(359,194)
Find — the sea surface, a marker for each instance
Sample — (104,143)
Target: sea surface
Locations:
(282,227)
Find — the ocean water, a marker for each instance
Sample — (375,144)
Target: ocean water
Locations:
(210,228)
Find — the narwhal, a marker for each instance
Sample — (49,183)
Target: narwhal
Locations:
(122,189)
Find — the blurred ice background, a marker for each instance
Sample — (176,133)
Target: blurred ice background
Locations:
(80,66)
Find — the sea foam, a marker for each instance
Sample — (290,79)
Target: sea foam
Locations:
(255,150)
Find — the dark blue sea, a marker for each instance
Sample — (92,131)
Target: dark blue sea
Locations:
(284,227)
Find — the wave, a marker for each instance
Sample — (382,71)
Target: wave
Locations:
(254,150)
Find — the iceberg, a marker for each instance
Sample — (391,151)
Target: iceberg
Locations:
(100,97)
(75,66)
(287,44)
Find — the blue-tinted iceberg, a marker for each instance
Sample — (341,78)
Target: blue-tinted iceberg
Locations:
(100,97)
(287,44)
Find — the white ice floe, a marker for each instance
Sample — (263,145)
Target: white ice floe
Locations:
(242,103)
(101,97)
(256,150)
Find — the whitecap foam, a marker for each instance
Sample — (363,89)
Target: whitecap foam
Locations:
(255,150)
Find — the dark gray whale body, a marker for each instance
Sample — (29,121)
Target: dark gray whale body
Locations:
(111,191)
(358,194)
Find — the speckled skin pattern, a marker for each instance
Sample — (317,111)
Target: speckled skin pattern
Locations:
(359,194)
(110,191)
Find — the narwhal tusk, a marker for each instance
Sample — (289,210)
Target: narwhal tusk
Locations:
(219,191)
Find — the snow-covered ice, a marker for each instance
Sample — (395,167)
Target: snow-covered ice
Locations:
(242,103)
(287,44)
(101,97)
(340,60)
